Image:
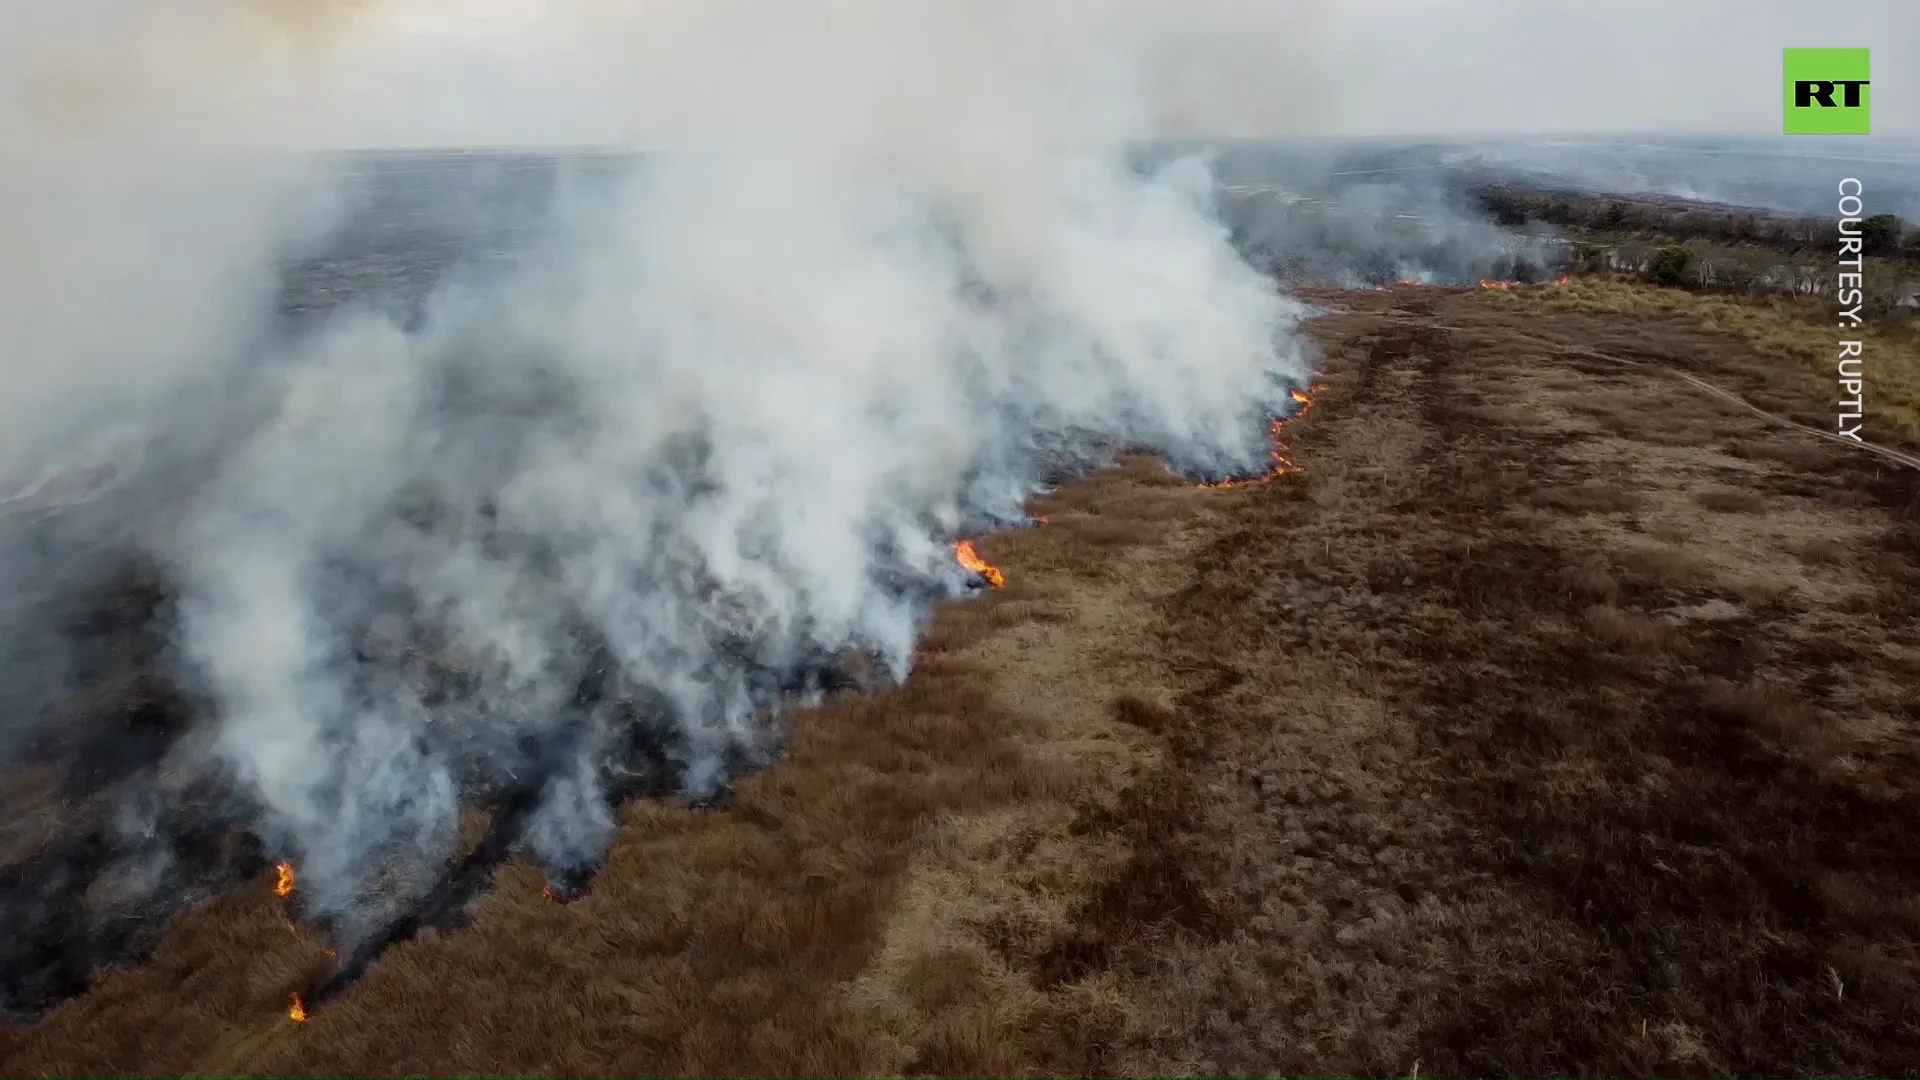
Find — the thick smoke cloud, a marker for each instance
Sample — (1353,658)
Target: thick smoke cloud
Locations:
(142,210)
(885,271)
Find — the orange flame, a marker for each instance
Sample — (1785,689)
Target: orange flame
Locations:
(1042,520)
(1282,461)
(298,1013)
(1409,281)
(283,880)
(964,553)
(1563,279)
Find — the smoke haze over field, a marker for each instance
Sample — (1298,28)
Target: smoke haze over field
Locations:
(885,270)
(714,431)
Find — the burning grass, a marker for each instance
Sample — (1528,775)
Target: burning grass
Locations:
(966,555)
(1282,454)
(1497,740)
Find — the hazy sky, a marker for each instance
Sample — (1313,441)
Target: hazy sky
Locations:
(1275,66)
(577,71)
(1621,65)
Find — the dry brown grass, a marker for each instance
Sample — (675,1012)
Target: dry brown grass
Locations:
(1823,551)
(1731,501)
(1795,330)
(1503,739)
(1627,631)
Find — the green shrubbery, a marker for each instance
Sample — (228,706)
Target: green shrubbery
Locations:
(1880,234)
(1669,267)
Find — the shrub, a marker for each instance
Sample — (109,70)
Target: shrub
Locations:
(1880,234)
(1740,277)
(1669,266)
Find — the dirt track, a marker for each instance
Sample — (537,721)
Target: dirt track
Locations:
(1557,718)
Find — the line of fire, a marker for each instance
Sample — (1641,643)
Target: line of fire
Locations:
(445,904)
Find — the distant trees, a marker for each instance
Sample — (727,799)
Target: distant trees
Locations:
(1652,217)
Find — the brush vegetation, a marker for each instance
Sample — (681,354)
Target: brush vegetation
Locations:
(1707,247)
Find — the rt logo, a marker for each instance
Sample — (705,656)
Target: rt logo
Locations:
(1826,92)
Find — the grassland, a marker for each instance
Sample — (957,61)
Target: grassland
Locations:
(1555,718)
(1800,332)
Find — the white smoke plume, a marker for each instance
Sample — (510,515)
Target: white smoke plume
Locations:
(883,270)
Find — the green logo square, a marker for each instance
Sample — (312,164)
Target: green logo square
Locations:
(1826,92)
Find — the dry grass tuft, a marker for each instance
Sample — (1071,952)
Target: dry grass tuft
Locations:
(1823,551)
(1731,501)
(1627,631)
